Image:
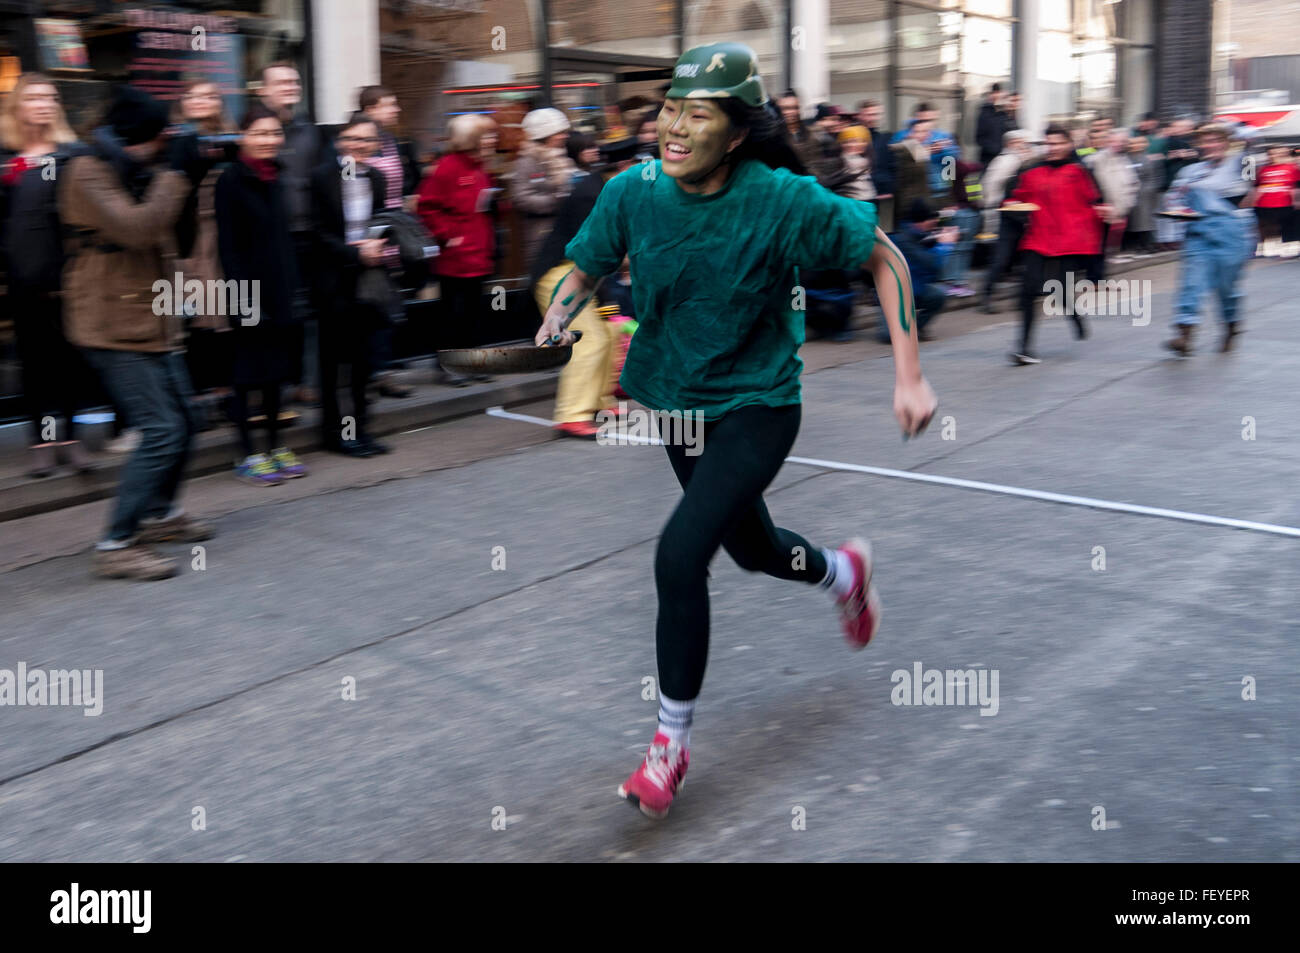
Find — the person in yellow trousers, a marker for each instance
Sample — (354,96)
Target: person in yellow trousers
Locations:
(587,382)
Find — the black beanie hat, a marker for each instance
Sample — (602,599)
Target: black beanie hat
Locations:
(136,116)
(920,211)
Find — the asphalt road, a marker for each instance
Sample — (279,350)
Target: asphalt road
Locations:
(516,693)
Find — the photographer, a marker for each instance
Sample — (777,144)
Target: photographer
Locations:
(124,201)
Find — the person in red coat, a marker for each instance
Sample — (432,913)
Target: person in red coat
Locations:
(454,203)
(1060,235)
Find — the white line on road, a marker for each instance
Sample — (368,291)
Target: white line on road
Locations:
(1043,495)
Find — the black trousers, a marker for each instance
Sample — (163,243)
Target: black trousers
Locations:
(1011,228)
(346,333)
(462,300)
(1039,269)
(722,507)
(51,367)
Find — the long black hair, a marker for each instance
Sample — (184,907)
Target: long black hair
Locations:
(767,141)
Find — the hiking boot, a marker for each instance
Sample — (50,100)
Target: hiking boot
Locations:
(1231,331)
(177,529)
(1181,342)
(136,561)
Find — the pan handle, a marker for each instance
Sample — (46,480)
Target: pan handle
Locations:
(556,338)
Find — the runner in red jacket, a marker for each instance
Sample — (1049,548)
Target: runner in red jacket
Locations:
(1065,229)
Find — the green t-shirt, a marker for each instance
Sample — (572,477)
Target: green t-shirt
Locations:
(714,280)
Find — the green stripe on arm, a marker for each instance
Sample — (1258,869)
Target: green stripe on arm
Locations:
(905,302)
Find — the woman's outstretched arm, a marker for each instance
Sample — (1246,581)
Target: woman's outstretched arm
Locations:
(914,400)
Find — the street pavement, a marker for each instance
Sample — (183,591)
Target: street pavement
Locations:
(497,709)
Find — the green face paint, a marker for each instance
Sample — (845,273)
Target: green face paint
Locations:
(698,126)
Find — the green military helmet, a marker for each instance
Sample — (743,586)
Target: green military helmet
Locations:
(718,71)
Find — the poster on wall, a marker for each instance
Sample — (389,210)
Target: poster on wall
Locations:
(60,45)
(173,48)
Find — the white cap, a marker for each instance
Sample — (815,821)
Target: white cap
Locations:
(544,123)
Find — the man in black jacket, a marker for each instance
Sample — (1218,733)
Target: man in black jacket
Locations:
(306,146)
(346,193)
(991,125)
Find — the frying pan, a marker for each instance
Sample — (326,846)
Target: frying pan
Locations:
(513,357)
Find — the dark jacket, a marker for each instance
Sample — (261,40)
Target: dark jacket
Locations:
(306,146)
(989,128)
(336,264)
(923,261)
(882,164)
(31,236)
(410,166)
(254,242)
(912,179)
(568,220)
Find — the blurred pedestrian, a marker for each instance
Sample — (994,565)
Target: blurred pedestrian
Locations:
(395,158)
(257,247)
(346,192)
(36,144)
(941,146)
(882,160)
(1139,236)
(209,355)
(1063,231)
(647,136)
(1111,168)
(1219,239)
(454,203)
(856,143)
(912,166)
(991,125)
(1017,153)
(124,201)
(586,383)
(306,146)
(1273,197)
(543,175)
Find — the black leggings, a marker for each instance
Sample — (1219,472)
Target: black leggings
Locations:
(270,408)
(722,506)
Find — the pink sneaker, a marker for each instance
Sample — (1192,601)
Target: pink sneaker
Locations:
(860,610)
(663,772)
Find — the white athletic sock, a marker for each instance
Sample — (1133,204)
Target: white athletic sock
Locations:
(675,719)
(839,578)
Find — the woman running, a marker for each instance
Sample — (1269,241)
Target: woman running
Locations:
(714,231)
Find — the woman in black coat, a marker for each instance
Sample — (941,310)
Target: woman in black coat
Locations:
(256,251)
(36,144)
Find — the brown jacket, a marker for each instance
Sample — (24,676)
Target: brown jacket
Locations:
(125,246)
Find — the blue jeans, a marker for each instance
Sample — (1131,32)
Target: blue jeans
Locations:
(957,262)
(154,392)
(1209,266)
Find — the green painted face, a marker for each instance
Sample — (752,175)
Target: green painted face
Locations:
(694,136)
